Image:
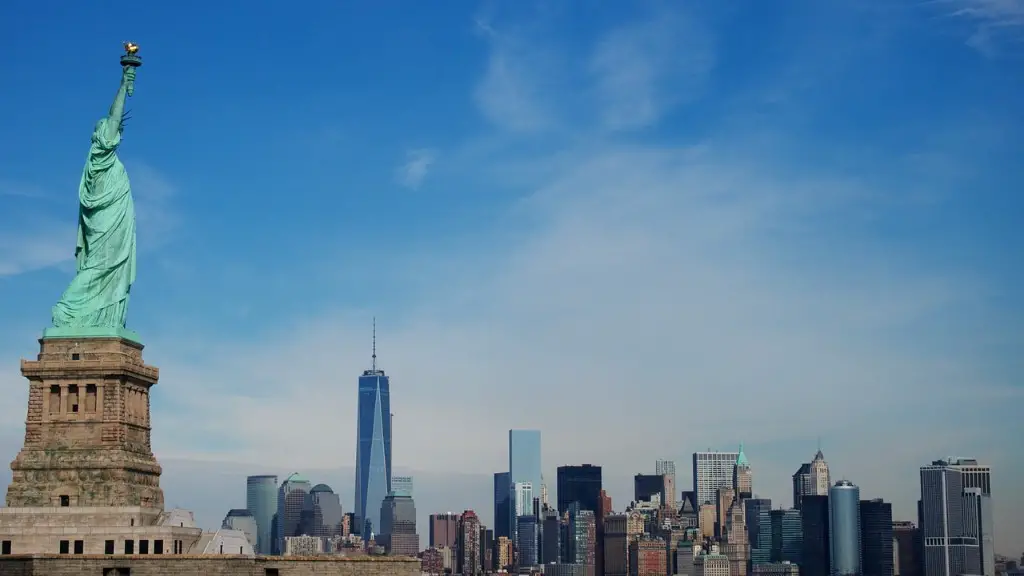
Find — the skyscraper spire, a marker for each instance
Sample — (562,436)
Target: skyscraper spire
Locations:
(374,367)
(741,457)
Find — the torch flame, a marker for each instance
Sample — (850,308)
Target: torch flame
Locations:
(131,47)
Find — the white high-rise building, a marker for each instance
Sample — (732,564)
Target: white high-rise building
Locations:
(522,499)
(821,479)
(956,519)
(711,471)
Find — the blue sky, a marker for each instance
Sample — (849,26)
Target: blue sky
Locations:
(687,224)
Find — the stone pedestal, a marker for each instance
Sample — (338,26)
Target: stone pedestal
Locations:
(87,433)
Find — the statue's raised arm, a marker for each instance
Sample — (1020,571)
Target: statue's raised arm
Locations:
(96,301)
(129,62)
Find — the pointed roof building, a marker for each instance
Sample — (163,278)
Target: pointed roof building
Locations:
(742,476)
(741,457)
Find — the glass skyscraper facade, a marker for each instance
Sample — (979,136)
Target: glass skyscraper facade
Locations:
(752,508)
(293,504)
(527,540)
(876,538)
(502,505)
(522,499)
(524,459)
(814,516)
(780,537)
(645,486)
(402,485)
(261,502)
(398,525)
(844,529)
(580,484)
(373,448)
(327,517)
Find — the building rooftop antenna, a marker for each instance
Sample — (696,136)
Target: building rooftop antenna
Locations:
(374,343)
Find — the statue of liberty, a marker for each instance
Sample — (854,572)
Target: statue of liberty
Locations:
(96,302)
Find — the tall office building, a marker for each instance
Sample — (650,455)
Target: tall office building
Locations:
(752,507)
(816,545)
(811,479)
(619,531)
(604,507)
(487,543)
(780,537)
(735,545)
(522,505)
(952,545)
(261,502)
(742,476)
(398,525)
(551,537)
(581,538)
(647,486)
(524,462)
(580,484)
(502,505)
(821,478)
(444,530)
(667,468)
(907,538)
(876,538)
(469,562)
(373,445)
(711,471)
(801,484)
(522,499)
(844,529)
(527,540)
(326,520)
(293,504)
(978,522)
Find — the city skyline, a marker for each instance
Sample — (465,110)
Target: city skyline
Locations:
(847,511)
(784,224)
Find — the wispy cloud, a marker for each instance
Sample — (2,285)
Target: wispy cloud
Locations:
(510,92)
(645,68)
(670,258)
(629,79)
(995,12)
(417,164)
(994,21)
(42,244)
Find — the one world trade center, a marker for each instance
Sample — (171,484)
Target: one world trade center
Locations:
(373,446)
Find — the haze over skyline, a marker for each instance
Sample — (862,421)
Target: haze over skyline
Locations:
(689,226)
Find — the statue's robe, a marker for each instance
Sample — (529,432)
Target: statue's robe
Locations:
(105,251)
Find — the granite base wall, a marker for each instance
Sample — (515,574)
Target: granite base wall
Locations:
(50,565)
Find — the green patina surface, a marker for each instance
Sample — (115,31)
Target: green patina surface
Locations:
(91,332)
(96,301)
